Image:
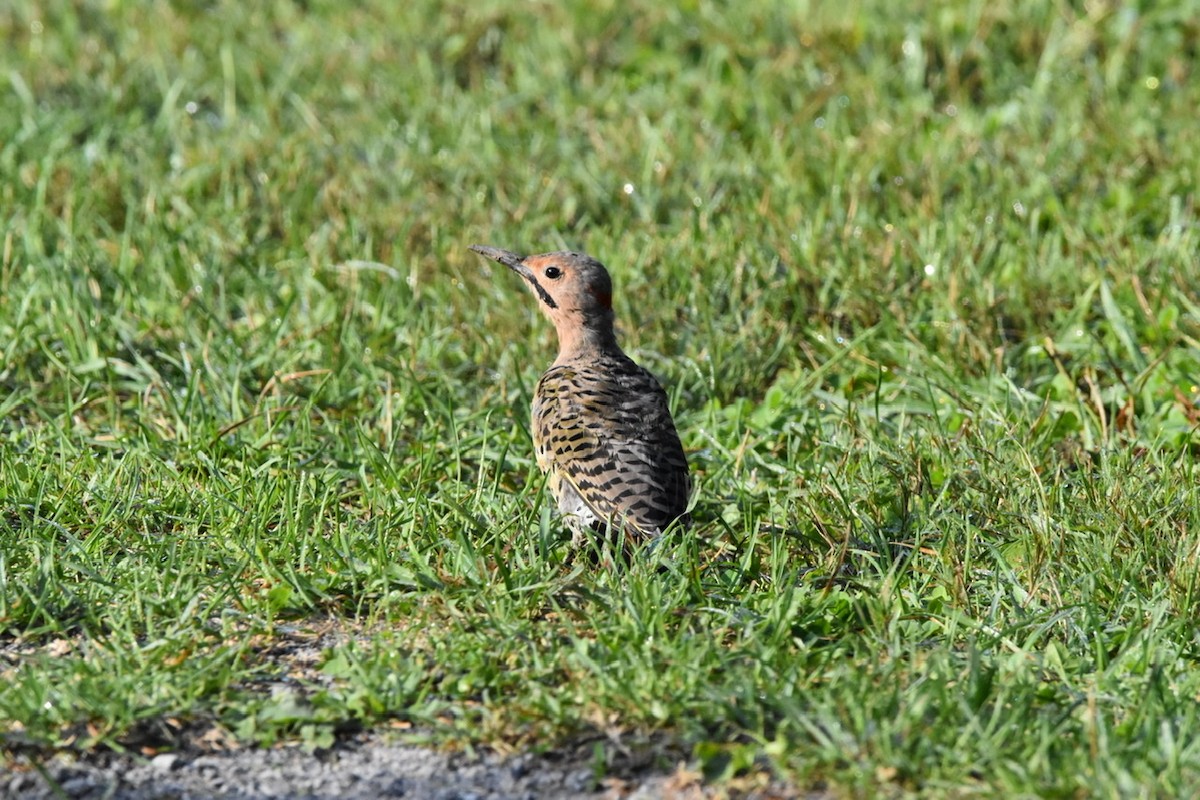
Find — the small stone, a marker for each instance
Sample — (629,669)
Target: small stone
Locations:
(164,762)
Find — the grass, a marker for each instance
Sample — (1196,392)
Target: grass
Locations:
(921,280)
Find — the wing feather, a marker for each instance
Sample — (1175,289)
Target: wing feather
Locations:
(605,430)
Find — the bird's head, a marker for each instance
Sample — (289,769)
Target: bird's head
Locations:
(573,290)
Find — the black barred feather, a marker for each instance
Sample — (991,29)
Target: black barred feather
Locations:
(604,434)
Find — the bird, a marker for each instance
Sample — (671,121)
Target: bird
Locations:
(602,430)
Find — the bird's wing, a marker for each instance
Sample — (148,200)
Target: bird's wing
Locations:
(609,434)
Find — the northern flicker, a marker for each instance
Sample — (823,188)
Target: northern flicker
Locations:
(601,426)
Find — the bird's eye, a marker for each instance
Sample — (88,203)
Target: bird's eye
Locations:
(553,273)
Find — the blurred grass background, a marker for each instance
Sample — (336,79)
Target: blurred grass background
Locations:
(920,279)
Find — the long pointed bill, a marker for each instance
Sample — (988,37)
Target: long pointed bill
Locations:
(505,257)
(517,264)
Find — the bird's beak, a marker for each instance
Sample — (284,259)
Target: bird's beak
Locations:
(508,259)
(517,264)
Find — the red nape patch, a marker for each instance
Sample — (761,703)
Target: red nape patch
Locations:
(603,298)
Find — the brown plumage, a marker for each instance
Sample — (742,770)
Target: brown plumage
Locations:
(601,426)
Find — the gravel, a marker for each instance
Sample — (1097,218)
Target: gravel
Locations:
(367,767)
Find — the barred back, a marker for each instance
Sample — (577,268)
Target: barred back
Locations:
(603,431)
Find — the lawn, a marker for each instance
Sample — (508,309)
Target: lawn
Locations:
(921,280)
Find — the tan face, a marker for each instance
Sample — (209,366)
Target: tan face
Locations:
(569,286)
(569,282)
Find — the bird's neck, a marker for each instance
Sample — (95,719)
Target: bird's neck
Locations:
(581,340)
